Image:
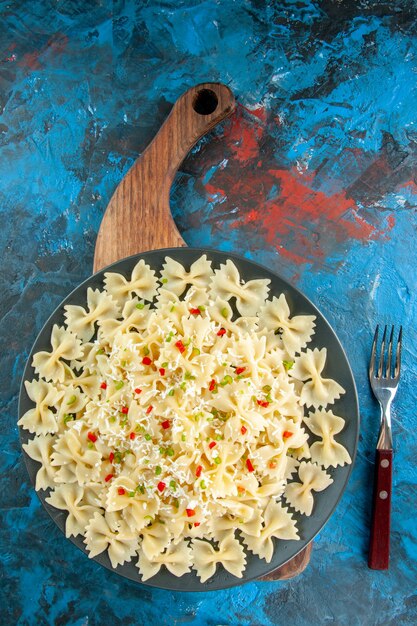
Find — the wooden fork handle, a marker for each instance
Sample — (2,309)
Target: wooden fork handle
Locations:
(381,515)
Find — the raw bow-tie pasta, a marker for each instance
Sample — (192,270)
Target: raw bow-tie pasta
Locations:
(317,391)
(169,422)
(249,296)
(327,452)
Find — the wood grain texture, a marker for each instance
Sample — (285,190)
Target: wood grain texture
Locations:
(138,217)
(294,567)
(379,545)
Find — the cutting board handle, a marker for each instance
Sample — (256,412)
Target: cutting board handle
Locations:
(138,217)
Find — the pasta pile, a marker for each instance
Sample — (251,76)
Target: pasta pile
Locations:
(169,419)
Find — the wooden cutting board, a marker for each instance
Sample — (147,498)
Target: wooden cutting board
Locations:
(138,217)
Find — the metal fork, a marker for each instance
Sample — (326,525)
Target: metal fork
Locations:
(384,376)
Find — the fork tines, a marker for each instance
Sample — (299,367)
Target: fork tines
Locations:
(392,370)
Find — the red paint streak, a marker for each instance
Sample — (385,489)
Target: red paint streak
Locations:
(244,135)
(301,223)
(410,184)
(391,221)
(55,46)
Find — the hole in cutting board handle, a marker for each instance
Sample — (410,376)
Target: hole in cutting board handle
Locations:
(205,102)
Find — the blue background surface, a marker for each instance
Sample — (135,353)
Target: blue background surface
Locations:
(315,176)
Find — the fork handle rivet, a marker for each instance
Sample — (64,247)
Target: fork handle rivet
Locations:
(383,495)
(384,463)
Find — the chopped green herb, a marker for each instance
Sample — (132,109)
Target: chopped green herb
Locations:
(101,351)
(140,306)
(146,350)
(161,450)
(266,388)
(72,400)
(90,445)
(183,438)
(112,419)
(119,384)
(219,438)
(203,484)
(224,312)
(68,417)
(158,470)
(164,281)
(201,308)
(118,456)
(172,309)
(288,364)
(176,503)
(240,377)
(217,460)
(188,376)
(131,494)
(291,450)
(148,517)
(268,398)
(164,364)
(123,363)
(170,452)
(147,436)
(196,352)
(173,484)
(171,392)
(140,489)
(170,336)
(183,385)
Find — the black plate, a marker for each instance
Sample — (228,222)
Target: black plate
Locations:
(337,367)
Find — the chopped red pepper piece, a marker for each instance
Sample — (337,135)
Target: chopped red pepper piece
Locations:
(103,386)
(166,424)
(240,370)
(92,437)
(138,391)
(111,457)
(272,464)
(180,346)
(197,524)
(287,434)
(109,477)
(243,430)
(149,409)
(190,512)
(212,385)
(132,436)
(198,471)
(121,491)
(162,371)
(195,311)
(263,403)
(161,486)
(212,444)
(249,465)
(240,489)
(125,410)
(146,360)
(221,332)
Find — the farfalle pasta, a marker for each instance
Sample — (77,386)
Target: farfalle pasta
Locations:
(170,419)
